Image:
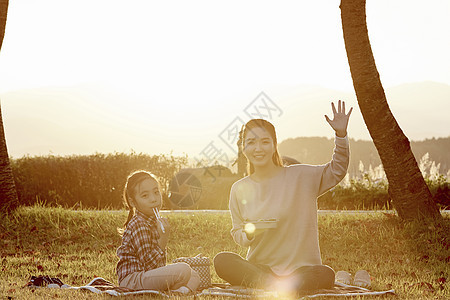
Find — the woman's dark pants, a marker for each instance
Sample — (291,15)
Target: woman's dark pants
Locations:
(237,271)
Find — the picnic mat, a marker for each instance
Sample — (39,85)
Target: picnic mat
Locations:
(97,285)
(101,286)
(339,290)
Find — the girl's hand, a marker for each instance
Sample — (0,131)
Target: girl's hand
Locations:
(340,119)
(163,236)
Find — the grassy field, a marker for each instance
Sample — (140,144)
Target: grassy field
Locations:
(77,246)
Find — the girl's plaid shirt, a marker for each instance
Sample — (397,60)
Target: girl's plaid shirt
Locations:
(140,250)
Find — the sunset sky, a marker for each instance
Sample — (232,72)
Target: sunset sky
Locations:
(176,73)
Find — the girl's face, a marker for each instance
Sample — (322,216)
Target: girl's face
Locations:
(259,147)
(147,196)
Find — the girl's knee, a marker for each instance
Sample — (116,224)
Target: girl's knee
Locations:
(185,269)
(184,272)
(188,277)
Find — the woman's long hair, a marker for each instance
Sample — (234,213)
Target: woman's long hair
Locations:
(261,123)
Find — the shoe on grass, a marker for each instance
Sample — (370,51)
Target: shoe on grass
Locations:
(343,277)
(362,279)
(184,290)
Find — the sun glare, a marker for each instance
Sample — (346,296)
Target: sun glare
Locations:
(249,228)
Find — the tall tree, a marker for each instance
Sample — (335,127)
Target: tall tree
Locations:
(407,188)
(8,194)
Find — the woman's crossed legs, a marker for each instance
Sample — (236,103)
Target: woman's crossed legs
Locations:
(239,271)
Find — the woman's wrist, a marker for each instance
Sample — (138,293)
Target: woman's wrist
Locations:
(341,134)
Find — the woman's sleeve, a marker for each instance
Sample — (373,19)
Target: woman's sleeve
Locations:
(237,232)
(334,171)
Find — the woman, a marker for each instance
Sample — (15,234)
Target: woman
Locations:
(274,213)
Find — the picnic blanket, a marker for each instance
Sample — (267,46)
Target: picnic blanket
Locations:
(99,285)
(339,289)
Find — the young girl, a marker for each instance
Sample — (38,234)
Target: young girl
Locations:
(274,213)
(142,255)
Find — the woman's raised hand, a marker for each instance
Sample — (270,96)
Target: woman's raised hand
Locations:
(340,119)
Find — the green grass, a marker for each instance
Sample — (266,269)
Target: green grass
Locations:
(76,246)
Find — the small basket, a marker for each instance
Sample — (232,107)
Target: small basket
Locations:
(201,265)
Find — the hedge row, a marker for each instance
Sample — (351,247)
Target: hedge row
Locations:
(96,181)
(90,181)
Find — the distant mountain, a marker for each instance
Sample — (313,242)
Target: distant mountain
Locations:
(318,150)
(86,119)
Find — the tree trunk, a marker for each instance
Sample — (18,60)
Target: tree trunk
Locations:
(3,13)
(407,188)
(8,194)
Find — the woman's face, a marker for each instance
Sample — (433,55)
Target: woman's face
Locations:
(259,147)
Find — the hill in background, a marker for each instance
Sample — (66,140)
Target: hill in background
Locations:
(318,150)
(88,119)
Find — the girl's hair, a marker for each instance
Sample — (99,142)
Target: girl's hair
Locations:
(129,192)
(261,123)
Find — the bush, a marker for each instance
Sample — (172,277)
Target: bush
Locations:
(369,188)
(96,181)
(91,181)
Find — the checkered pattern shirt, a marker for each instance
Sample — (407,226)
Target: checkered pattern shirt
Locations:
(140,250)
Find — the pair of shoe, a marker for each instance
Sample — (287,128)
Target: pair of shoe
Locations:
(362,278)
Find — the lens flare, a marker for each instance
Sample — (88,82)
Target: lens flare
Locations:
(249,228)
(286,287)
(244,201)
